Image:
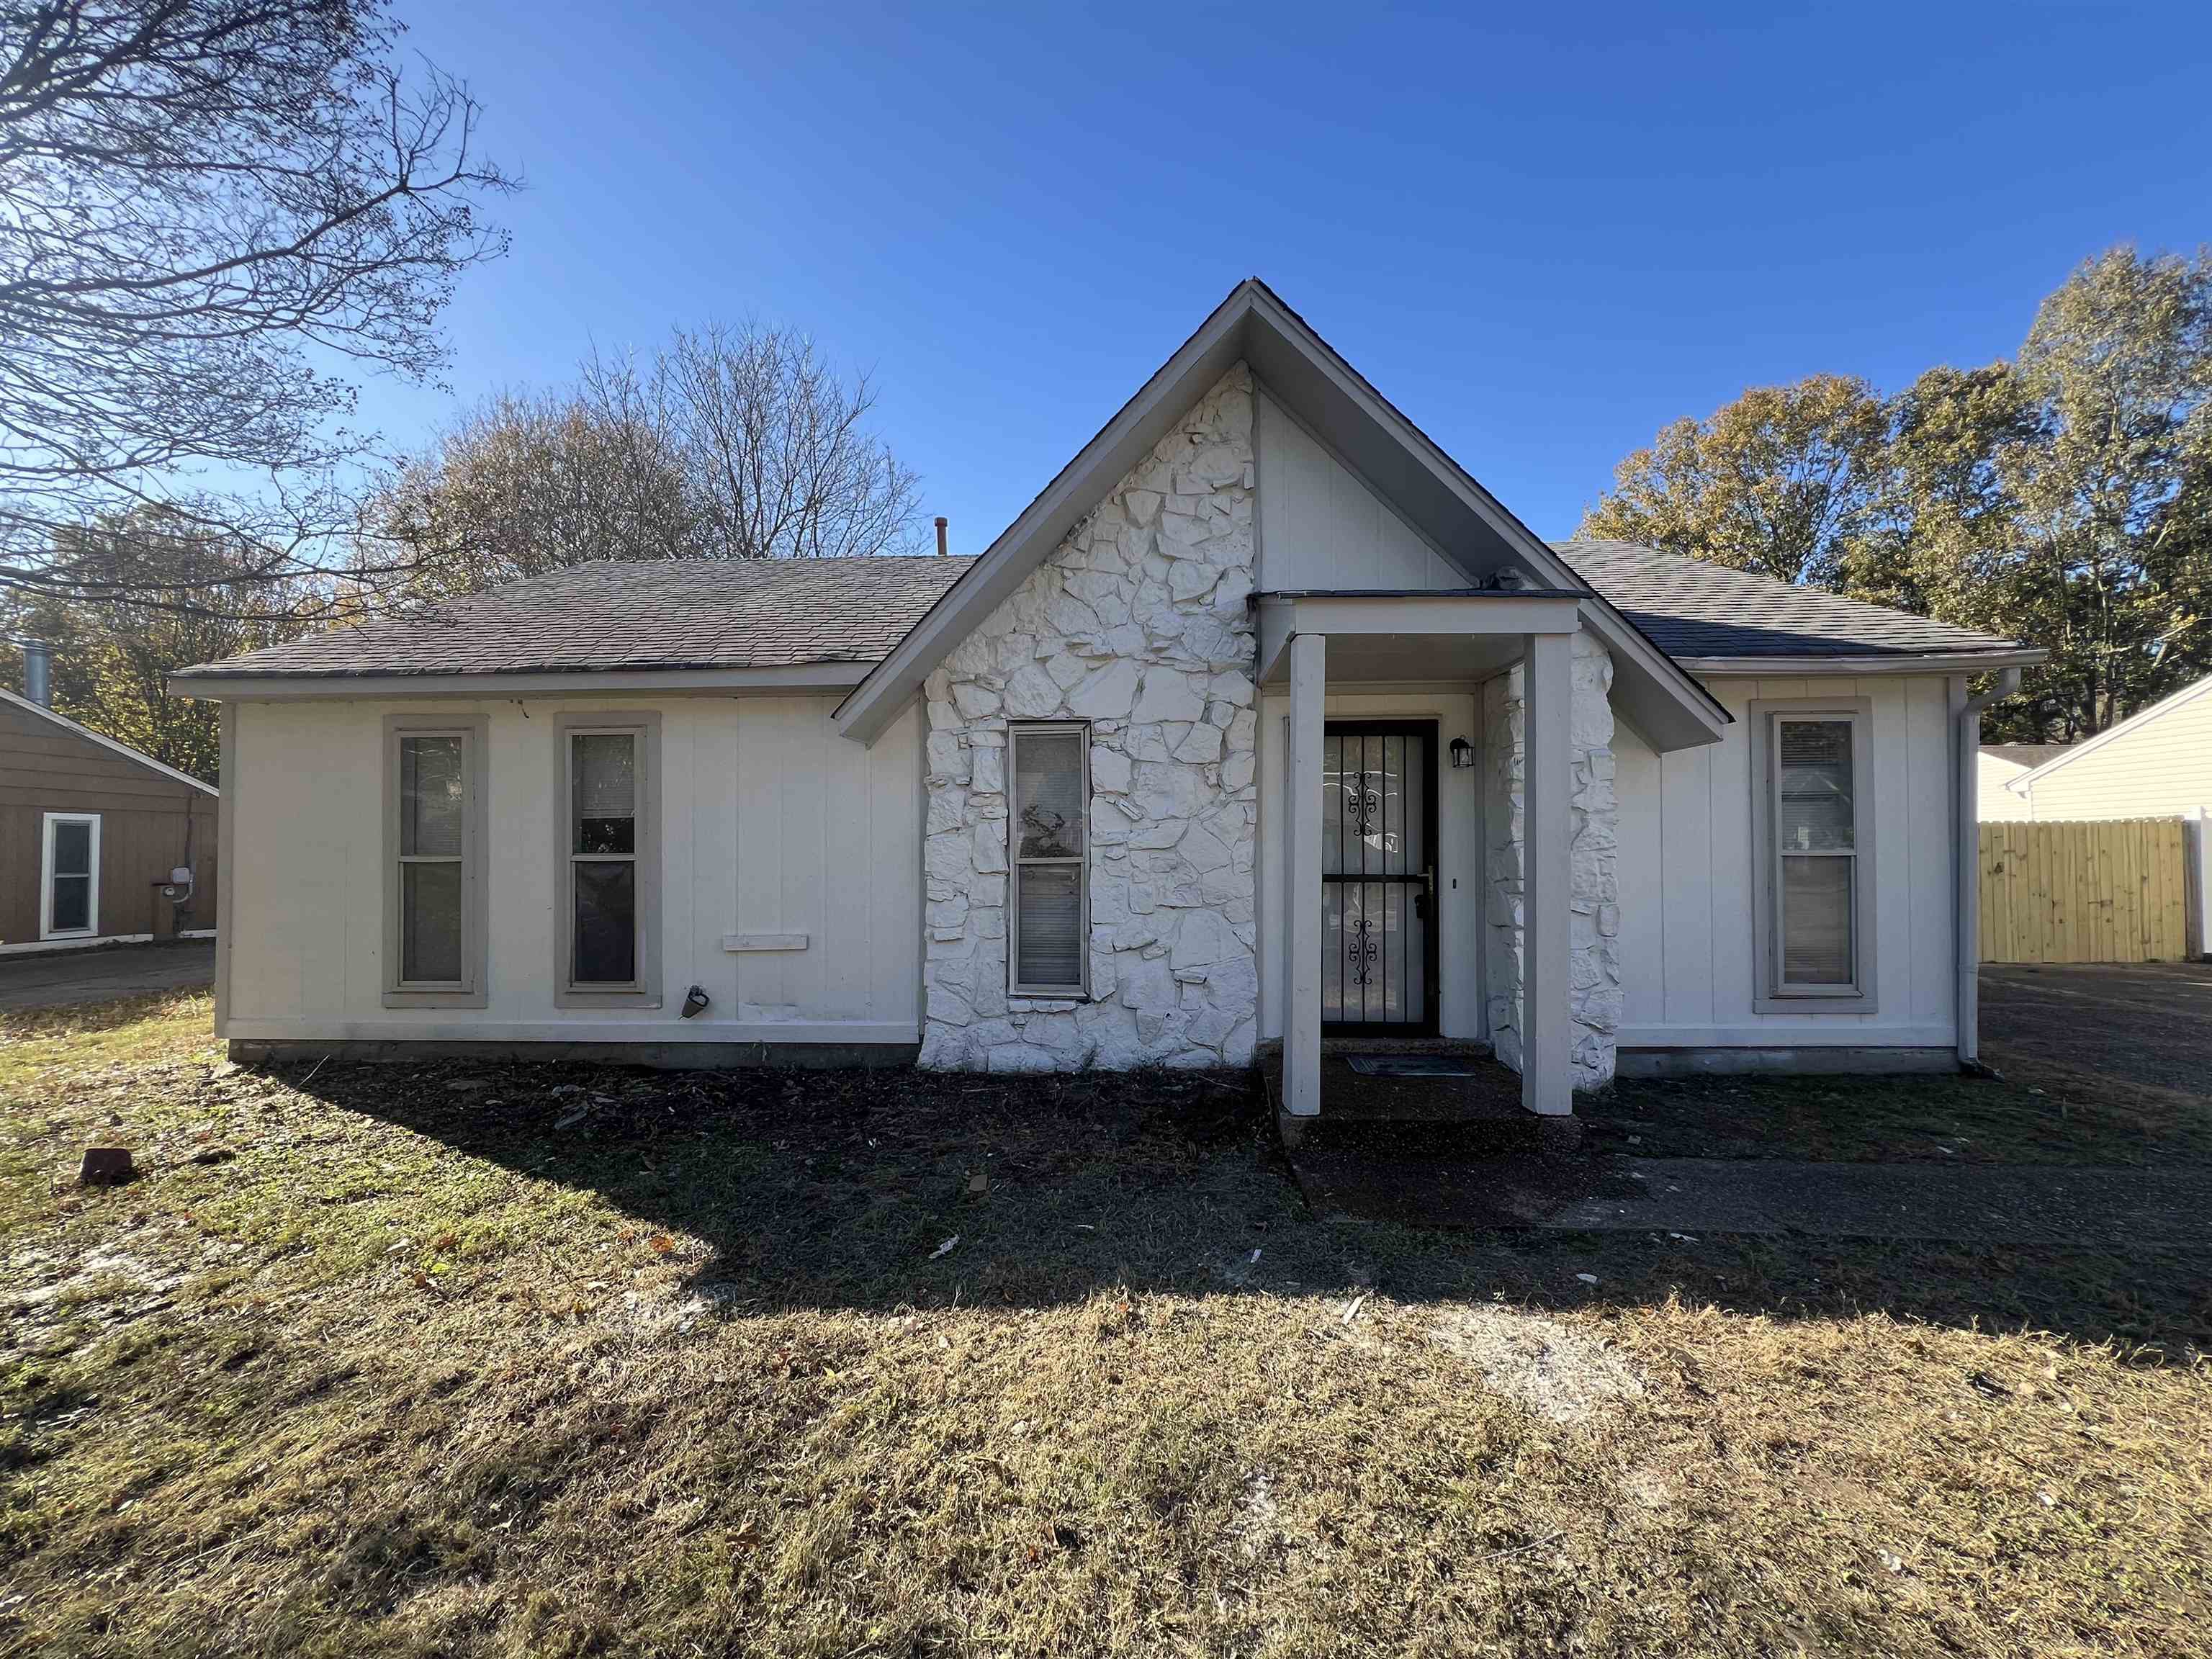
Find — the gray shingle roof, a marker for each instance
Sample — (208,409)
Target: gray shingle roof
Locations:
(701,613)
(688,613)
(2025,754)
(1692,608)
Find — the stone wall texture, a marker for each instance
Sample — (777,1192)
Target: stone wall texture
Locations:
(1138,625)
(1596,885)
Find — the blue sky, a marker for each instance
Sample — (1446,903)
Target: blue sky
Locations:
(1541,236)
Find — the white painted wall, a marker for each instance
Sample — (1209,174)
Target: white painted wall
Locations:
(1322,526)
(771,822)
(2159,769)
(1686,868)
(1994,803)
(1459,844)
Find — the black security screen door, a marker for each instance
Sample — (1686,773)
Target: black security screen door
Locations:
(1378,836)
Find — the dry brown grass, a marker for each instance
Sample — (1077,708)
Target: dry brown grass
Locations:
(671,1365)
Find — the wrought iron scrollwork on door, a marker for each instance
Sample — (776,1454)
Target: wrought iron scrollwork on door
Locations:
(1360,950)
(1364,800)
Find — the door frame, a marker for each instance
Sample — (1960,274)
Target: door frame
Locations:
(1429,728)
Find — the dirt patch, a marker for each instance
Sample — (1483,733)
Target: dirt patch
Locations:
(1542,1364)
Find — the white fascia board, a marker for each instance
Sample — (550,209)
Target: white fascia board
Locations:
(2166,706)
(122,748)
(1418,613)
(580,682)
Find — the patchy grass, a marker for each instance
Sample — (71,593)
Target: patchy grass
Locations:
(512,1360)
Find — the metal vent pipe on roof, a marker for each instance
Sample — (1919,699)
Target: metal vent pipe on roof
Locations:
(39,673)
(941,522)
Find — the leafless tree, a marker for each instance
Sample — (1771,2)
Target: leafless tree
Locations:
(213,214)
(775,454)
(730,444)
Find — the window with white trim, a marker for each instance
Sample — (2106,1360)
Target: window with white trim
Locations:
(610,860)
(1815,826)
(69,877)
(436,933)
(1048,909)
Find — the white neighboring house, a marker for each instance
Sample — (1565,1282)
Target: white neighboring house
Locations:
(2155,764)
(1999,765)
(1265,720)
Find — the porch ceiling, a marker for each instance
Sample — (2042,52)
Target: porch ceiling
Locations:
(1403,659)
(1385,637)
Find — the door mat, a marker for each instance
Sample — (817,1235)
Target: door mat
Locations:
(1414,1065)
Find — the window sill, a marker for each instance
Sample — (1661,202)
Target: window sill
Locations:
(1813,1002)
(434,999)
(568,999)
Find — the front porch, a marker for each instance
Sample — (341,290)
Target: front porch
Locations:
(1314,645)
(1395,1097)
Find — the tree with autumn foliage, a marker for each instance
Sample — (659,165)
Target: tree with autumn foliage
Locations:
(2063,497)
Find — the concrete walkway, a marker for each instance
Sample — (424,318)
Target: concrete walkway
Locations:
(66,978)
(1968,1203)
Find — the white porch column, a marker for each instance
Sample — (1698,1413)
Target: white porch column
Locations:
(1547,876)
(1302,904)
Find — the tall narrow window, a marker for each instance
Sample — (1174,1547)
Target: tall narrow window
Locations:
(432,833)
(609,857)
(603,856)
(1051,767)
(1817,894)
(69,893)
(435,921)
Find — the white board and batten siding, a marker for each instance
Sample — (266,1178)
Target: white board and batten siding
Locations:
(1322,526)
(776,834)
(1688,869)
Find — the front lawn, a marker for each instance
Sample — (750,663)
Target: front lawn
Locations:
(516,1360)
(2086,1118)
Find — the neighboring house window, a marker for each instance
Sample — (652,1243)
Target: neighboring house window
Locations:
(435,912)
(68,883)
(610,860)
(1815,824)
(1050,901)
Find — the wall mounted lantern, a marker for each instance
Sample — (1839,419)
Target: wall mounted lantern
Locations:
(1462,754)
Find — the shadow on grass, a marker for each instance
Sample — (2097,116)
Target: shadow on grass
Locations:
(839,1190)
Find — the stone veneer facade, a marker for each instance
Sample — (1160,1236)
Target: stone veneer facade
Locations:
(1137,624)
(1595,885)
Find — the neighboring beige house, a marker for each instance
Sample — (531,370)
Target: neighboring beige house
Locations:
(2156,764)
(2000,764)
(1264,722)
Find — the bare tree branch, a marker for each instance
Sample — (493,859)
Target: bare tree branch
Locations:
(201,203)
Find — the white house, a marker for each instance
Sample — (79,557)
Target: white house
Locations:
(1264,721)
(2155,764)
(1999,765)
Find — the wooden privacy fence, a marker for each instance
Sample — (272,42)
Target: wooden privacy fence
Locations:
(2115,890)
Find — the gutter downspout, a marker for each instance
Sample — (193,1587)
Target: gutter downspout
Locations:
(1966,737)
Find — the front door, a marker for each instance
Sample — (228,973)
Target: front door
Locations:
(1378,935)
